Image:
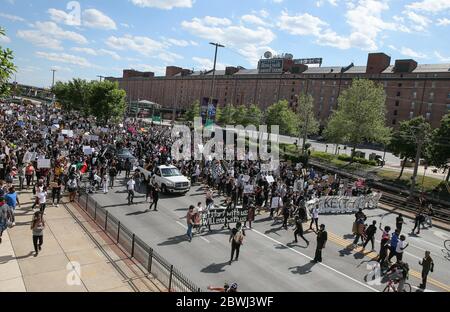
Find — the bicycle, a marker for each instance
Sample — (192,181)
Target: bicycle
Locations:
(391,286)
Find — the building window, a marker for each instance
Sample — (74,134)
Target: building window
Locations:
(323,83)
(397,103)
(332,100)
(413,105)
(321,99)
(395,113)
(430,106)
(431,95)
(448,107)
(433,84)
(292,97)
(428,116)
(385,84)
(394,121)
(400,85)
(399,93)
(293,90)
(411,115)
(416,84)
(414,95)
(448,96)
(334,83)
(293,82)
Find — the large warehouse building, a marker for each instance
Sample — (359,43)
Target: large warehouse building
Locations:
(412,89)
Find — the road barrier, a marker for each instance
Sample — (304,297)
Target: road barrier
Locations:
(155,264)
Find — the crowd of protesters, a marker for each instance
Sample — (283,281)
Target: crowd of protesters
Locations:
(84,155)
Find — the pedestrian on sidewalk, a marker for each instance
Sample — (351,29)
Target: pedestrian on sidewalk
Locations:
(190,222)
(3,218)
(130,188)
(155,198)
(322,237)
(299,230)
(370,235)
(112,175)
(12,200)
(72,187)
(236,240)
(29,173)
(427,267)
(315,218)
(37,227)
(21,175)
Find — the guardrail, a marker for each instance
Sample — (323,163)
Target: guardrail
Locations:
(154,263)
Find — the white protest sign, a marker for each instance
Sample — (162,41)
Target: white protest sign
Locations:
(70,134)
(270,179)
(44,163)
(105,130)
(246,178)
(60,138)
(87,150)
(65,132)
(345,204)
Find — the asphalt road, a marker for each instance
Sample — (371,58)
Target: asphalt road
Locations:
(268,261)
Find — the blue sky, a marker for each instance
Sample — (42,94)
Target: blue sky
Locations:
(101,37)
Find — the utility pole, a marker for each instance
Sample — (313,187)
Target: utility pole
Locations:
(101,77)
(53,85)
(217,45)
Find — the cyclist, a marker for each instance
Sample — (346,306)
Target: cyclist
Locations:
(398,273)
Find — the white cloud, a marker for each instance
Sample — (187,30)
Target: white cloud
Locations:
(178,43)
(320,3)
(216,21)
(431,6)
(101,52)
(12,18)
(441,58)
(95,19)
(65,58)
(4,39)
(443,22)
(250,43)
(158,70)
(408,52)
(49,35)
(207,64)
(253,19)
(263,13)
(364,18)
(277,1)
(304,24)
(91,18)
(143,45)
(163,4)
(419,22)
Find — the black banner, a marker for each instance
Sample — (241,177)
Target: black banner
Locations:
(218,216)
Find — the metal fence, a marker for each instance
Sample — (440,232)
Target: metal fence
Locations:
(155,264)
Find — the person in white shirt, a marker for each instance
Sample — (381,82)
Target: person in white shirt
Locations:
(276,203)
(401,246)
(315,218)
(42,197)
(105,182)
(130,187)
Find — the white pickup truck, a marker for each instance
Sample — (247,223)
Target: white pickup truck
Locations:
(169,179)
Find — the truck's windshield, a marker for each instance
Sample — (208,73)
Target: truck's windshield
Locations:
(170,172)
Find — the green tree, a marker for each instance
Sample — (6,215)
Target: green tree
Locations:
(239,115)
(334,133)
(308,123)
(438,152)
(74,95)
(226,118)
(7,67)
(361,114)
(404,141)
(280,114)
(107,101)
(253,116)
(193,111)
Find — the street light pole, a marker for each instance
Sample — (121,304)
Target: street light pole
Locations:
(217,45)
(53,85)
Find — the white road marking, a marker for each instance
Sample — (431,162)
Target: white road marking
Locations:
(308,257)
(431,244)
(441,235)
(426,290)
(185,227)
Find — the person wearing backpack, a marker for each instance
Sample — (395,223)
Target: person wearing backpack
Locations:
(236,240)
(37,227)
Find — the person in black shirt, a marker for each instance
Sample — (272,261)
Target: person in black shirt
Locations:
(112,175)
(370,235)
(299,230)
(322,237)
(155,196)
(399,222)
(236,240)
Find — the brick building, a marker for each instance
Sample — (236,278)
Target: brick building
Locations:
(412,89)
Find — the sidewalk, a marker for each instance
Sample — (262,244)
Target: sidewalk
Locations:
(69,236)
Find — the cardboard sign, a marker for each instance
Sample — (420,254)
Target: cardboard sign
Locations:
(44,164)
